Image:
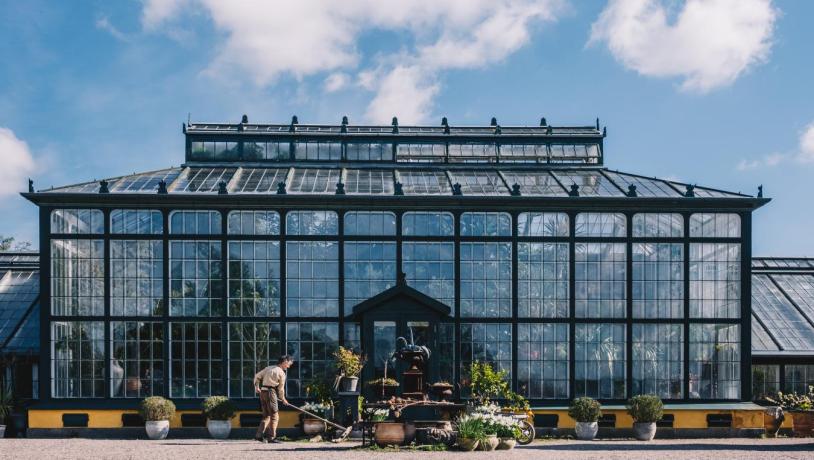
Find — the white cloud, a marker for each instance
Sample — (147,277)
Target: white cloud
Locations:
(103,23)
(806,154)
(709,44)
(266,40)
(767,161)
(335,81)
(17,163)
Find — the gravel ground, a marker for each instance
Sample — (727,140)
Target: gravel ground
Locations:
(178,449)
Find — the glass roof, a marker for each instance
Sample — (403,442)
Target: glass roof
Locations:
(534,183)
(479,182)
(369,181)
(760,338)
(145,182)
(800,289)
(783,321)
(259,180)
(18,289)
(314,181)
(202,179)
(424,182)
(27,337)
(644,186)
(591,183)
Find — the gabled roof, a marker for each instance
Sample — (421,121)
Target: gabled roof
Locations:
(400,290)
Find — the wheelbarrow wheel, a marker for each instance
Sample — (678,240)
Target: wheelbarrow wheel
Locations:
(526,433)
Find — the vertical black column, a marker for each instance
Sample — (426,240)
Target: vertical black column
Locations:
(514,301)
(107,292)
(746,306)
(629,306)
(46,350)
(572,305)
(686,316)
(341,268)
(166,300)
(283,233)
(224,298)
(456,218)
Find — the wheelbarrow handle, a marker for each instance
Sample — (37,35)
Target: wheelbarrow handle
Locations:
(298,409)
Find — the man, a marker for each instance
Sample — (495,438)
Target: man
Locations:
(269,383)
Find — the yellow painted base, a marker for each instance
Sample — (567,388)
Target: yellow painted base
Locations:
(113,418)
(683,418)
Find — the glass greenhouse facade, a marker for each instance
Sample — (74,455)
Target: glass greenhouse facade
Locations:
(510,245)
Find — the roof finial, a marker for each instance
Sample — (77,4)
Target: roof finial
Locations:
(294,122)
(549,130)
(597,123)
(498,130)
(281,188)
(222,188)
(402,279)
(543,122)
(631,191)
(515,189)
(30,185)
(245,119)
(445,124)
(604,131)
(760,191)
(456,189)
(344,119)
(493,122)
(340,188)
(398,189)
(574,190)
(344,127)
(395,124)
(103,186)
(690,191)
(162,187)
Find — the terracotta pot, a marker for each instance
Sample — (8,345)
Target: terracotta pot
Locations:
(506,444)
(489,443)
(389,433)
(467,444)
(644,431)
(586,431)
(803,423)
(312,426)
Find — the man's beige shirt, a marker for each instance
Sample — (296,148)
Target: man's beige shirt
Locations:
(272,376)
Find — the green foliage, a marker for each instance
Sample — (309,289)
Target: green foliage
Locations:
(348,363)
(218,408)
(585,409)
(6,402)
(156,408)
(386,382)
(645,408)
(489,384)
(320,391)
(470,427)
(794,401)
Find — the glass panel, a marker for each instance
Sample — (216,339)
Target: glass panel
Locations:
(658,225)
(472,153)
(259,180)
(201,180)
(369,182)
(600,280)
(384,345)
(486,280)
(658,280)
(136,278)
(370,268)
(427,224)
(254,278)
(77,221)
(77,277)
(591,183)
(137,359)
(765,381)
(574,153)
(715,361)
(798,378)
(253,223)
(479,182)
(658,360)
(800,288)
(312,223)
(273,151)
(523,153)
(252,347)
(542,360)
(356,151)
(319,181)
(542,224)
(485,343)
(78,359)
(196,370)
(196,286)
(446,352)
(601,224)
(312,278)
(430,268)
(136,222)
(785,322)
(715,225)
(486,224)
(425,183)
(760,338)
(145,182)
(370,223)
(542,280)
(323,151)
(353,337)
(421,152)
(645,186)
(534,183)
(312,345)
(195,223)
(600,356)
(715,280)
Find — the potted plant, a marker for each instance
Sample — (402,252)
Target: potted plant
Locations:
(586,411)
(349,365)
(313,426)
(218,411)
(470,432)
(801,408)
(157,412)
(385,387)
(6,406)
(387,433)
(442,389)
(646,410)
(508,430)
(489,421)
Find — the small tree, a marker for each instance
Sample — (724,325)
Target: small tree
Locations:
(218,408)
(645,408)
(348,363)
(156,408)
(585,410)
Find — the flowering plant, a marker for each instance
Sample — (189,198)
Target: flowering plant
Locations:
(794,401)
(320,409)
(503,426)
(377,415)
(488,408)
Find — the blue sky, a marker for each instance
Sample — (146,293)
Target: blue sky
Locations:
(714,92)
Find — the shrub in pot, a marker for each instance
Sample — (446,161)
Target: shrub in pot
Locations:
(384,387)
(218,411)
(470,432)
(312,426)
(646,410)
(586,411)
(157,412)
(349,365)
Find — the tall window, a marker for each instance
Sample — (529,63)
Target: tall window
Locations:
(370,268)
(658,280)
(485,343)
(658,360)
(715,280)
(370,223)
(196,286)
(658,225)
(601,224)
(486,224)
(195,223)
(136,222)
(600,356)
(312,278)
(542,360)
(77,277)
(78,359)
(252,346)
(765,381)
(798,378)
(427,224)
(718,225)
(542,224)
(137,359)
(542,280)
(312,223)
(486,280)
(355,151)
(77,221)
(253,223)
(254,278)
(715,361)
(312,346)
(196,370)
(430,268)
(600,280)
(136,278)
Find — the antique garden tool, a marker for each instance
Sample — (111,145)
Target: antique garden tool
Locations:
(345,430)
